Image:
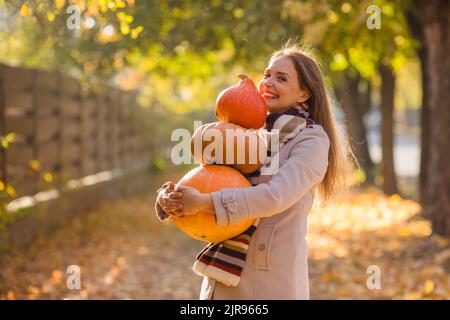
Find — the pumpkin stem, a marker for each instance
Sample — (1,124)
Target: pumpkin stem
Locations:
(243,76)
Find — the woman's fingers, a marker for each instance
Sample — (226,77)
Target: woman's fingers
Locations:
(171,205)
(170,185)
(169,198)
(175,211)
(175,195)
(178,188)
(165,184)
(178,213)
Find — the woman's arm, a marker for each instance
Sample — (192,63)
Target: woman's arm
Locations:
(306,167)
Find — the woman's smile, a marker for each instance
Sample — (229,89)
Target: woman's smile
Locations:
(269,95)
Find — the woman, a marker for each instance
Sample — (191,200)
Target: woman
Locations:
(313,158)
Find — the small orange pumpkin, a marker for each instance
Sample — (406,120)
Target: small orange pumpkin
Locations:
(242,104)
(245,150)
(202,225)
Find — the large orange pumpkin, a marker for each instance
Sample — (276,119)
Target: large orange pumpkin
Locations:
(202,225)
(246,153)
(242,104)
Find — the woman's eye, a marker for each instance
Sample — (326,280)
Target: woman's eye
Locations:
(281,78)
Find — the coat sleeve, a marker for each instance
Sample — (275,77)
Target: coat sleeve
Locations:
(162,216)
(305,167)
(160,213)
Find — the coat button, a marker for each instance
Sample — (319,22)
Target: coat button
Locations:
(261,247)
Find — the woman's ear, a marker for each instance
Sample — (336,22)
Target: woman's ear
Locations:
(303,96)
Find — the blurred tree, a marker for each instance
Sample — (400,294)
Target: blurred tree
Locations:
(357,54)
(430,20)
(418,32)
(328,29)
(356,104)
(387,128)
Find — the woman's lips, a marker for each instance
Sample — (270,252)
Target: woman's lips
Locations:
(269,95)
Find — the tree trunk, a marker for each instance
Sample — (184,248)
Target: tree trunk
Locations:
(425,128)
(417,32)
(353,105)
(387,129)
(433,18)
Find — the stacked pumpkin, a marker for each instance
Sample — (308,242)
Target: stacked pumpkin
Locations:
(241,110)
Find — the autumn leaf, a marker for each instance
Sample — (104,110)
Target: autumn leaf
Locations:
(25,11)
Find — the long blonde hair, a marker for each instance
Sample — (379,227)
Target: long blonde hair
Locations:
(310,78)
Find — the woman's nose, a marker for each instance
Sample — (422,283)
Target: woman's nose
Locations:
(267,82)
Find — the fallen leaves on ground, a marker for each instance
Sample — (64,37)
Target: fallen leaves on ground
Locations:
(370,234)
(122,250)
(124,253)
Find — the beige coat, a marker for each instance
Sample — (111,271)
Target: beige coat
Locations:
(277,261)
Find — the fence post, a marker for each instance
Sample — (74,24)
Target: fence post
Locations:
(3,173)
(34,123)
(81,127)
(59,113)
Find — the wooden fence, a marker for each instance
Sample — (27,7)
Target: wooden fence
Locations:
(61,135)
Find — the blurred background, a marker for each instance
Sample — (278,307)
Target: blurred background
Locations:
(91,90)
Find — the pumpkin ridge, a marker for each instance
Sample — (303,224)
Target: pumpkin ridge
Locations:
(214,173)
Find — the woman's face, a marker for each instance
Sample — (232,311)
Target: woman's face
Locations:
(280,87)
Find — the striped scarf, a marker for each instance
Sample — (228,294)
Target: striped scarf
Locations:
(224,261)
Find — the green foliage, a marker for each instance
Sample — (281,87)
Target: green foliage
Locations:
(158,164)
(174,48)
(5,141)
(181,54)
(339,30)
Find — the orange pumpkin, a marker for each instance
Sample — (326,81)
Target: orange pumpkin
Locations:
(202,225)
(244,149)
(242,104)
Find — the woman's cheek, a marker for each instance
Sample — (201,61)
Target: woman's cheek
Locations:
(261,86)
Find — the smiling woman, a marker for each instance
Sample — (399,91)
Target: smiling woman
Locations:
(269,260)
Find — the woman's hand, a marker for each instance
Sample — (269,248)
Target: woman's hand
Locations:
(170,207)
(192,201)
